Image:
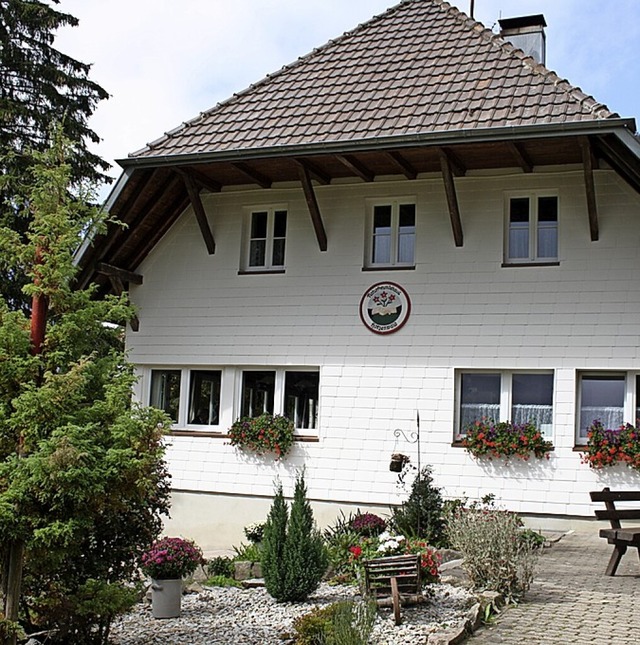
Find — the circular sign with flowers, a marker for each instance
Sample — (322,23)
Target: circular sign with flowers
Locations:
(385,307)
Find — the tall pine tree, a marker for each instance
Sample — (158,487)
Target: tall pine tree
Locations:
(39,85)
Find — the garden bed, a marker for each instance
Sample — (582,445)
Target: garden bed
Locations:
(219,616)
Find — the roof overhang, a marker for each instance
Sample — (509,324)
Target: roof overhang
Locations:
(152,192)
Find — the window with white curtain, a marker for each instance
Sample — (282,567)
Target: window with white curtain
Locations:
(519,397)
(532,229)
(265,233)
(392,234)
(613,398)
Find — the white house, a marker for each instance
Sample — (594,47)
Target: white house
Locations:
(423,153)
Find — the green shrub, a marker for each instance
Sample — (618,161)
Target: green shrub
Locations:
(534,538)
(294,558)
(421,516)
(221,581)
(250,552)
(495,555)
(342,623)
(220,566)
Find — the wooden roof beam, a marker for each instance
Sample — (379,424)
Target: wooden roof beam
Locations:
(203,181)
(457,167)
(452,198)
(196,203)
(520,156)
(124,275)
(314,171)
(589,163)
(314,209)
(402,164)
(356,167)
(252,174)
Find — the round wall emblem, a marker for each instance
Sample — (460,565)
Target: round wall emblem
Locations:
(385,307)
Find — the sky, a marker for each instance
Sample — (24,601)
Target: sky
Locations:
(164,61)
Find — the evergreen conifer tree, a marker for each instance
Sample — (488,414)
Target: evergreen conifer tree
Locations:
(39,85)
(293,553)
(273,542)
(305,557)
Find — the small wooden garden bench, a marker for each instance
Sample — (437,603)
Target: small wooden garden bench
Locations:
(621,537)
(394,580)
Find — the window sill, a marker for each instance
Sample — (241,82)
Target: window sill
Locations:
(581,447)
(260,271)
(508,265)
(390,268)
(223,435)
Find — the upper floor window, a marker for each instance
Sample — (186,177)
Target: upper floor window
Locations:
(613,398)
(519,397)
(265,244)
(532,229)
(392,234)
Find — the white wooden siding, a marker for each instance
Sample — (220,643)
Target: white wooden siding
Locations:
(467,312)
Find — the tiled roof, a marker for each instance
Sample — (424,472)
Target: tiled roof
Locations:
(421,67)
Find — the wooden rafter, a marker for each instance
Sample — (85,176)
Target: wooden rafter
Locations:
(124,275)
(203,181)
(452,198)
(314,172)
(520,156)
(588,164)
(456,166)
(252,174)
(357,167)
(314,209)
(194,197)
(402,164)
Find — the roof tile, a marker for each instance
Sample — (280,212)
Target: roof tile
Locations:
(422,66)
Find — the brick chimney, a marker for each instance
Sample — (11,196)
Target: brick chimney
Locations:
(526,33)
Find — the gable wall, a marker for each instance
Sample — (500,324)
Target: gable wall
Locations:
(467,312)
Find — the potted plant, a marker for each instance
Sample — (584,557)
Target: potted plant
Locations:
(607,447)
(267,433)
(486,438)
(166,563)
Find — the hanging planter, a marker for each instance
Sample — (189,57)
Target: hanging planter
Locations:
(267,433)
(398,462)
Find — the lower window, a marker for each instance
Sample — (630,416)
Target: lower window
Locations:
(165,392)
(291,393)
(613,398)
(519,397)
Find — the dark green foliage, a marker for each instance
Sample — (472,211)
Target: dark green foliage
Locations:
(220,566)
(421,515)
(40,86)
(82,481)
(305,558)
(293,555)
(254,532)
(275,535)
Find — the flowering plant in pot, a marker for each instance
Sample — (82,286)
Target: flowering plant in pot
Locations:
(171,558)
(606,447)
(486,438)
(267,433)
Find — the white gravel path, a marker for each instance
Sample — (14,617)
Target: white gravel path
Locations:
(230,616)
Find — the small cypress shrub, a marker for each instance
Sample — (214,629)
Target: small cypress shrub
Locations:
(421,516)
(273,542)
(294,558)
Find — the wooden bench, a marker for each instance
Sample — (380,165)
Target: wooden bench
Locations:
(394,580)
(621,537)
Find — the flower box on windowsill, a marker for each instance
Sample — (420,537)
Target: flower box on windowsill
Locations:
(607,447)
(504,439)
